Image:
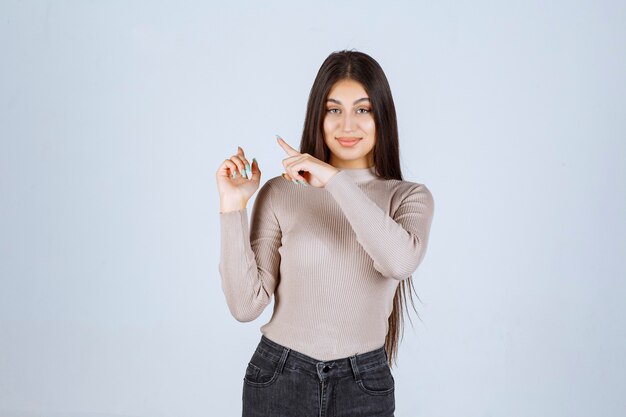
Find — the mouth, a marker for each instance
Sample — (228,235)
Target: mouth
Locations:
(348,141)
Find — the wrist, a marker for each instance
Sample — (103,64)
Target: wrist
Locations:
(232,204)
(332,176)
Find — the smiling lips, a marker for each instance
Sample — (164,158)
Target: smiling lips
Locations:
(348,141)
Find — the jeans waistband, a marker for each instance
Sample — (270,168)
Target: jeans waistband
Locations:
(292,359)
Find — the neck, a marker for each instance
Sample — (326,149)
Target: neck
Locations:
(361,174)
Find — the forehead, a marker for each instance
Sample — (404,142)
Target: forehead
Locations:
(347,88)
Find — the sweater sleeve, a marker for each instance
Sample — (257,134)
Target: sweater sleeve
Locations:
(396,244)
(249,257)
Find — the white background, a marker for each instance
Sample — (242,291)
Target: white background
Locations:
(114,117)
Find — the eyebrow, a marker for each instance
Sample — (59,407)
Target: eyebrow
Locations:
(357,101)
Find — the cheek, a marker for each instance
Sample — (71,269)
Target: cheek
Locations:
(368,125)
(330,125)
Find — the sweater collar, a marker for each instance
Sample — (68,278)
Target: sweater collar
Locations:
(361,174)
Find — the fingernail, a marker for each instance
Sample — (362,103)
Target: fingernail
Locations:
(303,183)
(234,174)
(278,137)
(248,170)
(294,181)
(254,160)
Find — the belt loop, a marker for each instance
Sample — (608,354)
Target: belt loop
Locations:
(283,359)
(355,368)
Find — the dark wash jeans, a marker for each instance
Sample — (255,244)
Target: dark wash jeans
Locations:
(281,382)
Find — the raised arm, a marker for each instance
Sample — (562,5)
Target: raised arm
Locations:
(397,244)
(249,258)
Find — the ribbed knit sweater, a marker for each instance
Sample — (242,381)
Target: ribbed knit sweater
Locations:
(332,257)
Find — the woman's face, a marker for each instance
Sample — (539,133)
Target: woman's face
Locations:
(349,129)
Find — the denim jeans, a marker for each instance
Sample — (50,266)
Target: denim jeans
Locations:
(281,382)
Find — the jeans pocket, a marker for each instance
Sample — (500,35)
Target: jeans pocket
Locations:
(261,371)
(252,372)
(377,381)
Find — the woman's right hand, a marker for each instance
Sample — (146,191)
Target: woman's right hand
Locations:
(235,192)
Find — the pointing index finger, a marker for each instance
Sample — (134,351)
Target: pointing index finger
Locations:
(291,151)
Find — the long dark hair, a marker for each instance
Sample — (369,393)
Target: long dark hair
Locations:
(362,68)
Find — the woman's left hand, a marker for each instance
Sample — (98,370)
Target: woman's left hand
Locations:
(315,172)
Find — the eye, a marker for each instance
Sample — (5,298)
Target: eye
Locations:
(332,111)
(363,110)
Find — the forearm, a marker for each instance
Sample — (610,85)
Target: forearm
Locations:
(396,249)
(242,283)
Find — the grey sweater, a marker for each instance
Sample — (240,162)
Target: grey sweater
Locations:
(332,258)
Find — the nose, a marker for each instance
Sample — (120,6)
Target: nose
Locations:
(348,122)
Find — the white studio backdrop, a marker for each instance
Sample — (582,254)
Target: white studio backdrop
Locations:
(114,117)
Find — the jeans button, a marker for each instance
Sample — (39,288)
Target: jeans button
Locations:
(326,368)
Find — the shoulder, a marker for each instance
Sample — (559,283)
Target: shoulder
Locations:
(407,192)
(270,188)
(274,184)
(403,188)
(417,189)
(275,181)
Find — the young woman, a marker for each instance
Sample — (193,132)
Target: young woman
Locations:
(335,240)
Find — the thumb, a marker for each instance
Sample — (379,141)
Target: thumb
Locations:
(255,167)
